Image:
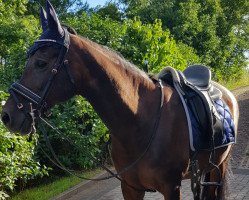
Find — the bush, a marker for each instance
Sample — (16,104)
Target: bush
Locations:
(16,36)
(17,159)
(83,134)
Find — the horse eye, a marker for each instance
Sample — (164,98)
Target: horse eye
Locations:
(41,64)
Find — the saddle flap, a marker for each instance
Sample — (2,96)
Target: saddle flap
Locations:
(198,75)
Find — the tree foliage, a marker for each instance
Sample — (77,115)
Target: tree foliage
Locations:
(149,42)
(17,155)
(17,33)
(110,10)
(217,30)
(63,7)
(82,132)
(136,41)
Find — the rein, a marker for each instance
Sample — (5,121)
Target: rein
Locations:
(57,162)
(113,175)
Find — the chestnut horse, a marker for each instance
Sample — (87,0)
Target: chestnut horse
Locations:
(62,65)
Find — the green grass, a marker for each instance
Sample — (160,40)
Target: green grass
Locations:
(50,190)
(234,84)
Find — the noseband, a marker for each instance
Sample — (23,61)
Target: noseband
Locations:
(40,100)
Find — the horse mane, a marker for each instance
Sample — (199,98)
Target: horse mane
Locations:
(118,57)
(115,55)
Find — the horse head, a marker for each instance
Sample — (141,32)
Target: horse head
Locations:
(45,80)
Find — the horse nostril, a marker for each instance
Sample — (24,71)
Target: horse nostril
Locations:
(5,118)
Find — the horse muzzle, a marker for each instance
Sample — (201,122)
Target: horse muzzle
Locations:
(16,120)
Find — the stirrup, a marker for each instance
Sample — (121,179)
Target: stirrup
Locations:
(208,184)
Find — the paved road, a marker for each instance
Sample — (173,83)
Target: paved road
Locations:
(239,190)
(110,189)
(239,180)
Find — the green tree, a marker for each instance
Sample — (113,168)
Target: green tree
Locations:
(136,41)
(149,42)
(110,10)
(63,7)
(82,132)
(217,30)
(214,34)
(17,33)
(150,10)
(17,155)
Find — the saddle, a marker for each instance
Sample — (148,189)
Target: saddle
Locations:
(209,119)
(198,95)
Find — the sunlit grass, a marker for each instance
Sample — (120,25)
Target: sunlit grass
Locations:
(234,84)
(50,190)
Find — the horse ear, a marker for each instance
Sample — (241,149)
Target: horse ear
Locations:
(53,21)
(43,18)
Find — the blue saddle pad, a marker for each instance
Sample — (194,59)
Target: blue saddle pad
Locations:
(201,141)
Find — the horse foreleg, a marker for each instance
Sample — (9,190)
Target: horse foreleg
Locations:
(130,193)
(172,192)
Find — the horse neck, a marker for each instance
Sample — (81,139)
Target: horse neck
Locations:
(118,91)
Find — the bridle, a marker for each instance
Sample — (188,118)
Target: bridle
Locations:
(40,100)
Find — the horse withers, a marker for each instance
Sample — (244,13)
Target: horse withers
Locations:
(142,124)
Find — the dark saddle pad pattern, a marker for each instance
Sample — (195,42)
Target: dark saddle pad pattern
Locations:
(201,140)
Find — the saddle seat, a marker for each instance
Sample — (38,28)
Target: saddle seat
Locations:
(199,76)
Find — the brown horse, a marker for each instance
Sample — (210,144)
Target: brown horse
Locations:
(125,98)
